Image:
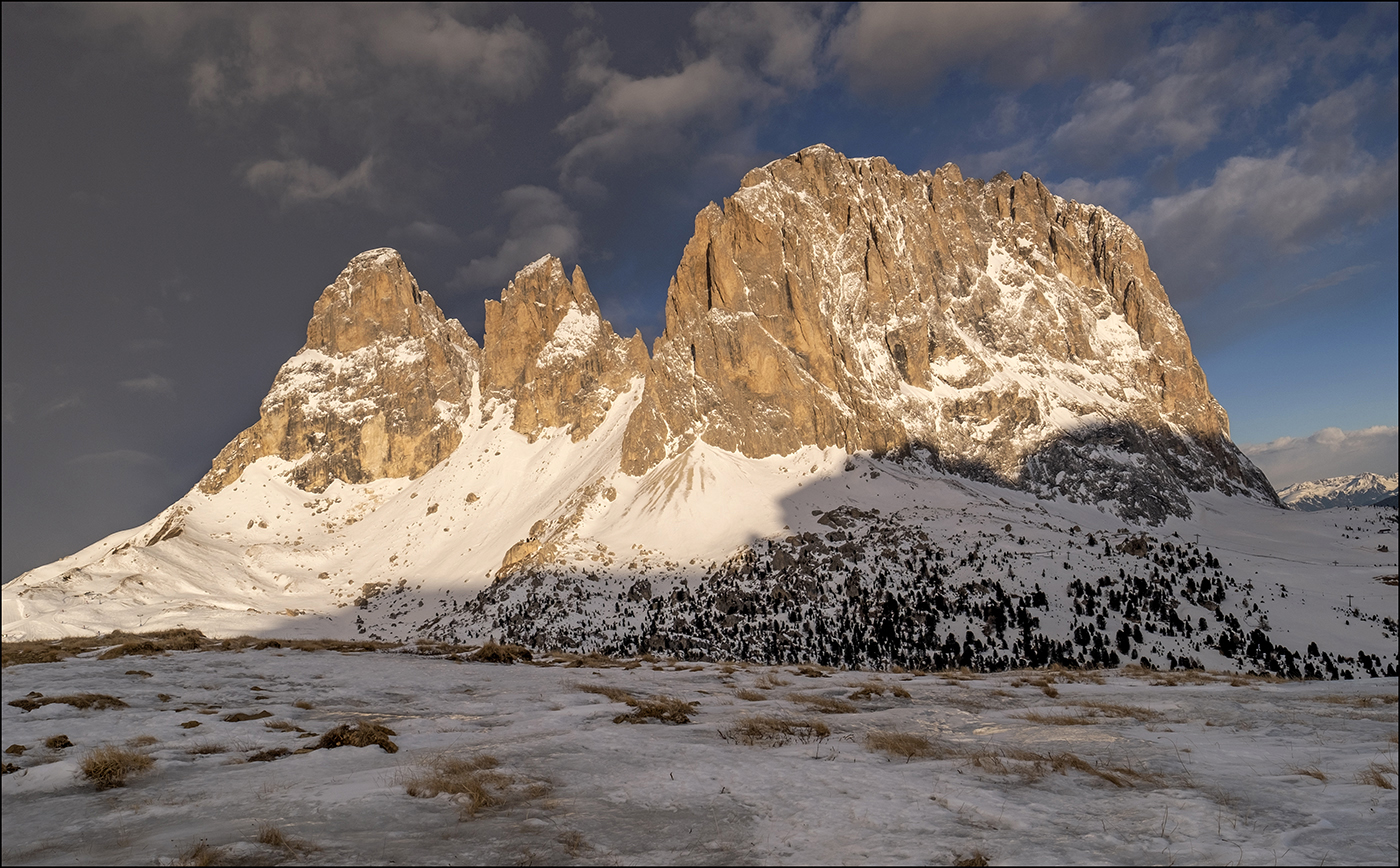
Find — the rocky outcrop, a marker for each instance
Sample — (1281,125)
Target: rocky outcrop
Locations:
(549,350)
(379,390)
(840,302)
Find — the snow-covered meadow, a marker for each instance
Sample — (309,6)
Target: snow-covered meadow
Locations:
(1037,767)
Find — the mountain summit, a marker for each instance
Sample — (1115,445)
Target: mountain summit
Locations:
(889,414)
(1010,334)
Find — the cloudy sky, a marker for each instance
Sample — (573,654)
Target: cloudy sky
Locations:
(180,182)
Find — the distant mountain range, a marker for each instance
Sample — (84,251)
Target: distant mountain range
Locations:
(1364,489)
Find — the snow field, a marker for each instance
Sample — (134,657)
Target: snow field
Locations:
(1032,767)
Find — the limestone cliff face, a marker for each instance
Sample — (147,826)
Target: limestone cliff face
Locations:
(379,390)
(1018,336)
(548,348)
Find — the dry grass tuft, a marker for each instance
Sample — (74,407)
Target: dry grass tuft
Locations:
(84,701)
(142,741)
(472,782)
(574,843)
(16,750)
(878,688)
(268,755)
(272,836)
(1377,775)
(769,680)
(664,709)
(824,704)
(1093,712)
(282,726)
(975,858)
(206,748)
(748,695)
(1360,701)
(141,672)
(202,853)
(1062,762)
(812,672)
(493,652)
(109,766)
(594,660)
(189,724)
(57,742)
(769,731)
(362,734)
(616,694)
(304,704)
(241,716)
(1309,771)
(905,744)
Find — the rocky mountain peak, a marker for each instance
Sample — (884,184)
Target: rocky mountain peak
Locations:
(378,390)
(548,348)
(1006,332)
(374,298)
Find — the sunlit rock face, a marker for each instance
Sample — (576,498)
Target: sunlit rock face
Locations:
(379,390)
(549,350)
(1014,335)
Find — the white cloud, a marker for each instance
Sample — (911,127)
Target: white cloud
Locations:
(780,39)
(1330,452)
(1272,204)
(151,384)
(540,223)
(628,117)
(297,181)
(1115,194)
(906,46)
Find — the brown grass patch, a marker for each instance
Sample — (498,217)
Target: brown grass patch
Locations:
(84,701)
(109,766)
(976,858)
(593,660)
(273,836)
(282,726)
(141,647)
(824,704)
(905,744)
(493,652)
(189,724)
(206,748)
(304,704)
(142,741)
(1361,701)
(1309,771)
(16,750)
(878,688)
(140,672)
(267,755)
(202,853)
(748,695)
(473,783)
(57,742)
(769,680)
(1093,712)
(770,731)
(663,709)
(241,716)
(574,843)
(362,734)
(812,672)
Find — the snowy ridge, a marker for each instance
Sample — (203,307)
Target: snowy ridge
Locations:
(1361,490)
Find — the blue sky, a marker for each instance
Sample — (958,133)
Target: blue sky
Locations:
(180,182)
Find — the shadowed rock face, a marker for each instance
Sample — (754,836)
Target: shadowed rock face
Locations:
(379,389)
(843,303)
(548,348)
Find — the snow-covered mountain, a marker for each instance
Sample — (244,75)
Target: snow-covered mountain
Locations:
(1364,489)
(918,420)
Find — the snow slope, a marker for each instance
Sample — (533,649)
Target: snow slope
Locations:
(1021,768)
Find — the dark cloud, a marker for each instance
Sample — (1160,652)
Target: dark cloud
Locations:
(541,224)
(905,47)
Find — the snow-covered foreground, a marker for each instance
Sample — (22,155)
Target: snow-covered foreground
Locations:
(1022,768)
